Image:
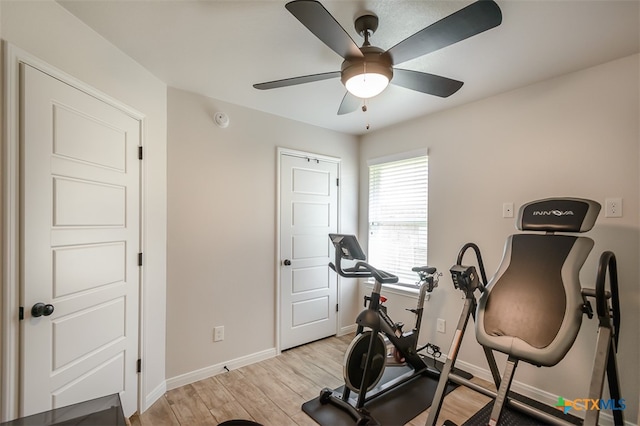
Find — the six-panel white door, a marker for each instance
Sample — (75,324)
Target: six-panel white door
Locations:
(308,213)
(80,236)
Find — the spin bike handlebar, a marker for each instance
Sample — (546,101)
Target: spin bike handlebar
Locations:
(363,270)
(347,247)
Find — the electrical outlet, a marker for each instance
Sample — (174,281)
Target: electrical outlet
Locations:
(218,333)
(440,325)
(507,209)
(613,207)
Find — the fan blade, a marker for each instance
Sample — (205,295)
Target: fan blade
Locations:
(323,25)
(349,104)
(426,83)
(293,81)
(469,21)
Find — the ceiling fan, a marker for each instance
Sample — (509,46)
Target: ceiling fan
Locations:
(367,70)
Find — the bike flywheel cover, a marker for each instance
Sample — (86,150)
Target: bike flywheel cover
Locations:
(355,359)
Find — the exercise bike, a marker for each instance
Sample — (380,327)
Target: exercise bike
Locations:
(379,340)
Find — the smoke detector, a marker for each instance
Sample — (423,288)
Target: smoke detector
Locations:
(221,119)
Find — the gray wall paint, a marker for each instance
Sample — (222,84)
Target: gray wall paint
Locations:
(222,226)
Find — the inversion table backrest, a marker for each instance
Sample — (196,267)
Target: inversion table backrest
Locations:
(532,307)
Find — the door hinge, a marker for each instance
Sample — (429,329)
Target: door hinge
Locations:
(336,307)
(139,153)
(21,313)
(139,259)
(337,181)
(139,366)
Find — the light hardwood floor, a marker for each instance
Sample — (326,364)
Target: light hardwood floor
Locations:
(272,392)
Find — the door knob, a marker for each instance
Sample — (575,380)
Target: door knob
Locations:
(40,309)
(287,262)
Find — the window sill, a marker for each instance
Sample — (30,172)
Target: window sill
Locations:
(403,289)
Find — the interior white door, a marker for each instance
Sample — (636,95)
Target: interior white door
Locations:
(308,213)
(80,238)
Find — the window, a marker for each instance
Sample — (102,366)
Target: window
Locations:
(398,216)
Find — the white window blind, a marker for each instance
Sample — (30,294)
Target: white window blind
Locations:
(398,196)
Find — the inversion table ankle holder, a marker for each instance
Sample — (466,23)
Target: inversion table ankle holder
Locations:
(533,306)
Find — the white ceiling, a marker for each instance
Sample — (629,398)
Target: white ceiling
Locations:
(220,48)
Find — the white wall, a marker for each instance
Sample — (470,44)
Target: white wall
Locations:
(222,220)
(46,30)
(575,135)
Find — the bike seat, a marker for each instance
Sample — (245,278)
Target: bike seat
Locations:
(427,269)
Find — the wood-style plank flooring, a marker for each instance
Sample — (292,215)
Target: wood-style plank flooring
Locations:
(272,392)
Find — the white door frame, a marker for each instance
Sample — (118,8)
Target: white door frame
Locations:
(301,154)
(9,230)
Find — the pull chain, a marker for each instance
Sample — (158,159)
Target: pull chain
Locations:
(364,76)
(365,109)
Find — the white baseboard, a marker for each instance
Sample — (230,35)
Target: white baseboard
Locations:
(347,330)
(153,396)
(213,370)
(519,387)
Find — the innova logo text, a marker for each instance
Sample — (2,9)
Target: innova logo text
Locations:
(553,212)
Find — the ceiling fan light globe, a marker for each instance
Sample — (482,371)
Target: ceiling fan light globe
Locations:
(367,77)
(366,85)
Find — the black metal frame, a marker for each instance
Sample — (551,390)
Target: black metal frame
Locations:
(376,319)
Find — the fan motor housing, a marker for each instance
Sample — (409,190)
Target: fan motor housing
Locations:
(375,60)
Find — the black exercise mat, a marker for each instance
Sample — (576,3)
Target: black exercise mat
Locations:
(513,417)
(396,407)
